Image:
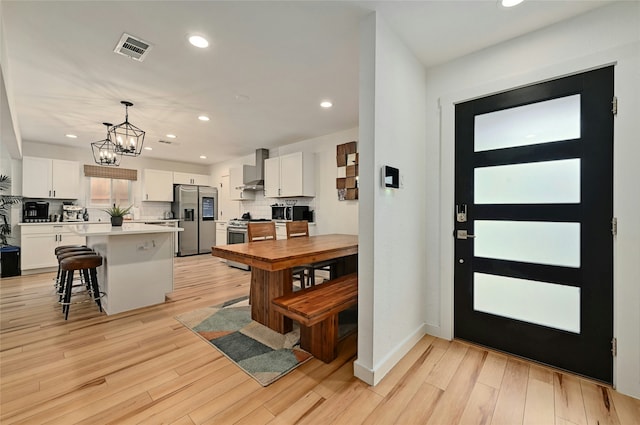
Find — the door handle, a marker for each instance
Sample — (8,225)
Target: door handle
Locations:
(462,234)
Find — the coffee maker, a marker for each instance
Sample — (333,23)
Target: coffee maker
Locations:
(35,212)
(72,213)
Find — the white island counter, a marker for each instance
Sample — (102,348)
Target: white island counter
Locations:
(137,269)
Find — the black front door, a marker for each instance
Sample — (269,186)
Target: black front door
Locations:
(534,200)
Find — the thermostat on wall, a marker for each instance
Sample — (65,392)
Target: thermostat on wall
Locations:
(390,177)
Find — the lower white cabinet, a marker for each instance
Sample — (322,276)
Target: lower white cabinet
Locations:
(221,233)
(281,231)
(39,242)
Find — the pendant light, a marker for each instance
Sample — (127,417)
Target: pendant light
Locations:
(128,138)
(104,151)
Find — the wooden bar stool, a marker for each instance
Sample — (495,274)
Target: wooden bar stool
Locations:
(85,264)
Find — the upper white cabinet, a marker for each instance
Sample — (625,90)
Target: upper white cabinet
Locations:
(50,178)
(289,175)
(189,178)
(235,181)
(157,185)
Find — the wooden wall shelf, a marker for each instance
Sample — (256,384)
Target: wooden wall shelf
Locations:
(347,162)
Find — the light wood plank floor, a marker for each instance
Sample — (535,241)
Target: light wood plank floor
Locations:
(145,367)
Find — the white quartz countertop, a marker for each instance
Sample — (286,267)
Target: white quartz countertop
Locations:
(75,223)
(105,229)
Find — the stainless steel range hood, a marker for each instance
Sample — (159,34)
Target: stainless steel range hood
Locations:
(253,175)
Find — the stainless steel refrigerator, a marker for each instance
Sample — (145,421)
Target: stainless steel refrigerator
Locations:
(196,208)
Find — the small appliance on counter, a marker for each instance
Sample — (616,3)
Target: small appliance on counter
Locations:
(35,212)
(290,212)
(72,213)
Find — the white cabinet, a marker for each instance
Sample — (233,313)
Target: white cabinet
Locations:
(157,185)
(272,177)
(189,178)
(281,231)
(50,178)
(289,175)
(38,243)
(235,181)
(221,233)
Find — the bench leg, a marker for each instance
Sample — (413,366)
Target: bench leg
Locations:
(321,339)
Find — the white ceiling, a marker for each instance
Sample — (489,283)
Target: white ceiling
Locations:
(261,79)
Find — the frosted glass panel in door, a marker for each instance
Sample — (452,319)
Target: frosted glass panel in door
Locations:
(535,242)
(542,303)
(542,122)
(548,182)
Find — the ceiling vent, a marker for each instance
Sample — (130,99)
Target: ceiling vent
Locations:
(168,142)
(132,47)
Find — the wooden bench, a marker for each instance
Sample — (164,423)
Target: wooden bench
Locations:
(316,310)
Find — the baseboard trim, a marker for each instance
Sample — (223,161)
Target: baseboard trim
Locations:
(375,375)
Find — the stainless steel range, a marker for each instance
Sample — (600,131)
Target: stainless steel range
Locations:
(237,233)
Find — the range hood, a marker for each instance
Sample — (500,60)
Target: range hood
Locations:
(253,175)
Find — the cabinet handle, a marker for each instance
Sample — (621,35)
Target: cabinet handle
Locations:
(147,196)
(54,193)
(49,194)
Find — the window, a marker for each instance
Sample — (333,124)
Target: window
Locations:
(104,192)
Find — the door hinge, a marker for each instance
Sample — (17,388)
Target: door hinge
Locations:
(614,226)
(614,347)
(614,105)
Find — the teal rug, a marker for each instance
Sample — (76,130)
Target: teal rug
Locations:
(262,353)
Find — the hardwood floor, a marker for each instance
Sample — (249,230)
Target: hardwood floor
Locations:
(145,367)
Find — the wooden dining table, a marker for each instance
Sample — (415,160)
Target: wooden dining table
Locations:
(272,262)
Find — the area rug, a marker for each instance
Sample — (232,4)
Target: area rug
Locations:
(262,353)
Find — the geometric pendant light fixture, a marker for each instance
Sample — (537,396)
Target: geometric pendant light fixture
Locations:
(104,151)
(128,138)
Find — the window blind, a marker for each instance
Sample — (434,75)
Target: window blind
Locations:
(110,173)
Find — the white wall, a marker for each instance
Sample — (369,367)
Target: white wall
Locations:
(331,215)
(603,36)
(392,227)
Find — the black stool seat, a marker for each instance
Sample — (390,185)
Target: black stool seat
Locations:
(80,262)
(67,251)
(57,249)
(86,263)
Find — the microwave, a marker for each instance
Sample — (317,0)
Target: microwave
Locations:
(290,212)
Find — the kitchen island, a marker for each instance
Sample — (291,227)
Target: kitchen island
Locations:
(137,269)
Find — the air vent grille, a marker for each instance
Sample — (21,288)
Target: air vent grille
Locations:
(132,47)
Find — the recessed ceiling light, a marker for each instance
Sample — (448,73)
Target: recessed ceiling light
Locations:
(203,118)
(148,148)
(171,136)
(510,3)
(326,104)
(203,157)
(199,41)
(71,136)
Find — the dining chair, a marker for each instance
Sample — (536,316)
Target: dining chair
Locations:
(300,229)
(257,232)
(261,231)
